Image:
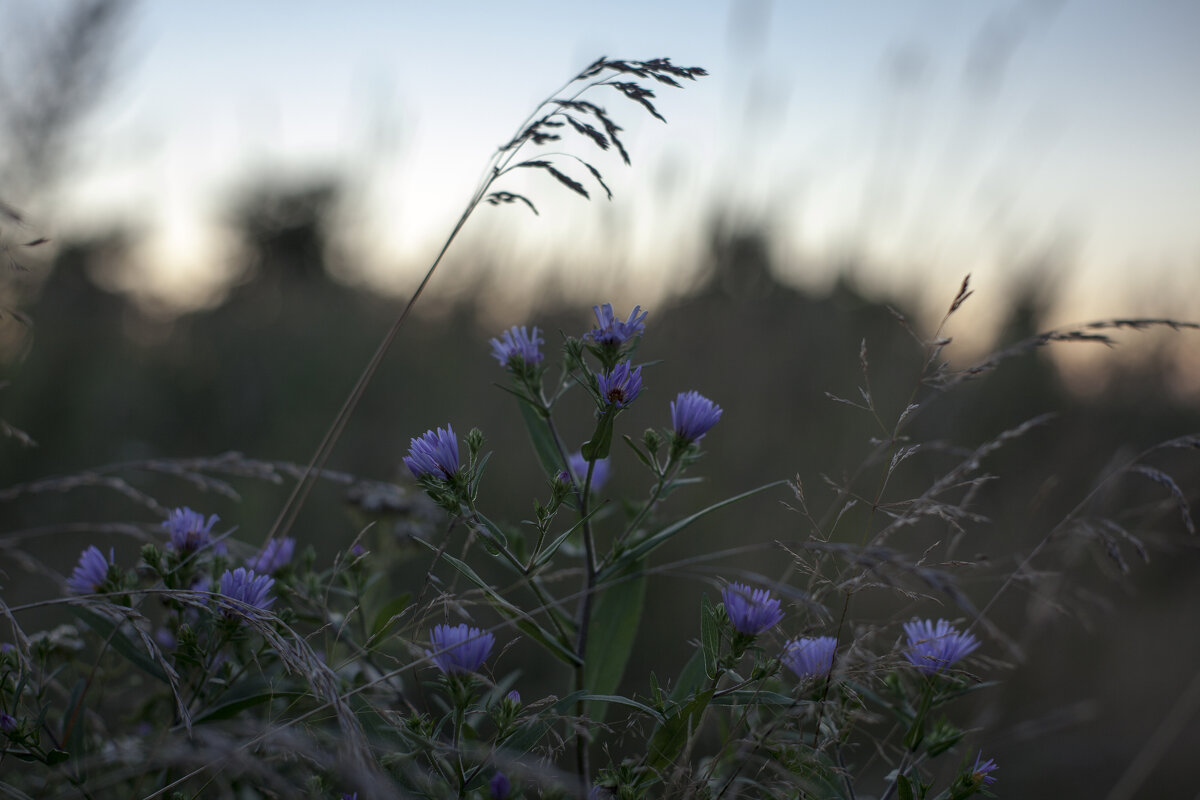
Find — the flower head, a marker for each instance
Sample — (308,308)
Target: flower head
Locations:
(981,773)
(579,470)
(621,386)
(517,342)
(245,587)
(810,657)
(933,647)
(457,648)
(752,611)
(610,331)
(433,455)
(91,572)
(513,696)
(692,414)
(8,723)
(189,530)
(274,557)
(499,787)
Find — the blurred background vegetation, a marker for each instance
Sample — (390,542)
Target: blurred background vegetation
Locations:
(96,378)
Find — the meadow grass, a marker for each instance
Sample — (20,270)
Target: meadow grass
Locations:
(211,666)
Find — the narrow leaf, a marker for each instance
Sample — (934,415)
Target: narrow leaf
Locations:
(614,624)
(710,636)
(542,440)
(389,612)
(234,707)
(523,621)
(601,442)
(120,642)
(672,736)
(652,543)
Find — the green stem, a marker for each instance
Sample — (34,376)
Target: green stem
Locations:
(671,470)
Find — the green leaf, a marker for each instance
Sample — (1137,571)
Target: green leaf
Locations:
(710,636)
(601,442)
(672,736)
(389,611)
(916,732)
(616,699)
(119,641)
(552,548)
(493,529)
(56,757)
(905,787)
(12,791)
(530,734)
(645,459)
(73,717)
(652,543)
(235,707)
(754,697)
(542,440)
(524,622)
(691,677)
(614,623)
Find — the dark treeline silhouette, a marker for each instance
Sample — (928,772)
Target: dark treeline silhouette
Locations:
(264,373)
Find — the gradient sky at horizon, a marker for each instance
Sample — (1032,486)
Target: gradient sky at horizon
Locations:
(924,140)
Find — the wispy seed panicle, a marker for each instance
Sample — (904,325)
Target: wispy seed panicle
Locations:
(496,198)
(639,94)
(562,178)
(963,294)
(560,113)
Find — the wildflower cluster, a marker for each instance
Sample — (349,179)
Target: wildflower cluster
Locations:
(227,610)
(248,671)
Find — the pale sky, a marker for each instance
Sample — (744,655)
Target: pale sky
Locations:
(935,137)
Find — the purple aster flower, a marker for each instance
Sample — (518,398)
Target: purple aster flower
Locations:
(513,696)
(189,530)
(517,342)
(981,773)
(610,331)
(245,587)
(692,414)
(579,470)
(433,455)
(457,648)
(8,723)
(620,387)
(932,647)
(91,572)
(274,557)
(752,611)
(499,787)
(810,657)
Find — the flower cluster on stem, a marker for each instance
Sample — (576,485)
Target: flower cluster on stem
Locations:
(932,647)
(751,611)
(91,573)
(434,454)
(188,529)
(810,657)
(248,590)
(459,648)
(620,386)
(276,555)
